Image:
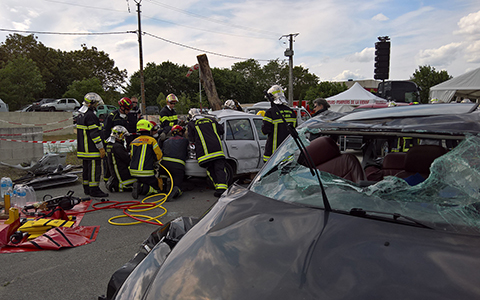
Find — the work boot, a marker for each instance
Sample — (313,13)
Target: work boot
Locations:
(177,192)
(218,193)
(97,192)
(86,190)
(135,188)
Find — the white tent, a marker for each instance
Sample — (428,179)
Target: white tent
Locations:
(351,98)
(466,86)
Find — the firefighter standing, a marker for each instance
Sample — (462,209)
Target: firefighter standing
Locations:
(118,161)
(205,133)
(175,152)
(168,115)
(145,153)
(117,117)
(90,146)
(273,124)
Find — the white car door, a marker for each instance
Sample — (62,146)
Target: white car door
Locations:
(241,144)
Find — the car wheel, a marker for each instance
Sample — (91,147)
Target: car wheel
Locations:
(51,109)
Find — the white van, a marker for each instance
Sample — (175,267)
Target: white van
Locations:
(3,106)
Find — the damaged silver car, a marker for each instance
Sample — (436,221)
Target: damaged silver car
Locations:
(318,223)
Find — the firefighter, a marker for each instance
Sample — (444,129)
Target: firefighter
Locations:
(273,124)
(232,104)
(117,117)
(145,153)
(205,133)
(90,145)
(118,161)
(168,116)
(175,152)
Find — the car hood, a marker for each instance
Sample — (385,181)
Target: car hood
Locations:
(253,247)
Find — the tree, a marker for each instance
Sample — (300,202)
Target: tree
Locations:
(426,77)
(20,81)
(79,88)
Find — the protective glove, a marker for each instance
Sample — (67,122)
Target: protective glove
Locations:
(102,152)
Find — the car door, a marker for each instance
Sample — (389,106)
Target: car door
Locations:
(71,104)
(262,139)
(241,144)
(62,104)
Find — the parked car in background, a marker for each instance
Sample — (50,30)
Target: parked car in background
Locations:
(152,110)
(321,232)
(63,104)
(3,106)
(243,144)
(104,110)
(36,106)
(26,108)
(302,114)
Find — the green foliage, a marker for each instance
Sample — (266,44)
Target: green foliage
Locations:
(20,81)
(426,77)
(79,88)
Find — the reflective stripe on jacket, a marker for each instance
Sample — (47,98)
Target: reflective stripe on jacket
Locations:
(89,138)
(205,133)
(145,152)
(275,128)
(168,119)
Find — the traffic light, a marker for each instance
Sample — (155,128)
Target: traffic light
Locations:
(382,59)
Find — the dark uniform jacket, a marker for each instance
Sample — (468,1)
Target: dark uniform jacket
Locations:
(205,133)
(175,149)
(118,160)
(88,136)
(113,119)
(275,128)
(145,152)
(168,119)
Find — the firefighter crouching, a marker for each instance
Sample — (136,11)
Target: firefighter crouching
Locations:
(90,146)
(205,133)
(175,153)
(118,160)
(144,154)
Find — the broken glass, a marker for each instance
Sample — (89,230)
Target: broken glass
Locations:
(449,199)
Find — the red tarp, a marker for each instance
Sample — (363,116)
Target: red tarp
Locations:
(53,239)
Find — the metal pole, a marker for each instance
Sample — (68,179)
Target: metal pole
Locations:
(142,81)
(289,54)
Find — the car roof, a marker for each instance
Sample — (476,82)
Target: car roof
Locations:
(223,113)
(446,121)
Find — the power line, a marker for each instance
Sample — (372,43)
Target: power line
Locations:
(197,49)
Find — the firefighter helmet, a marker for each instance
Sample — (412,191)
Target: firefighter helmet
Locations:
(125,103)
(92,99)
(278,95)
(229,104)
(177,129)
(193,112)
(144,125)
(172,98)
(261,113)
(119,132)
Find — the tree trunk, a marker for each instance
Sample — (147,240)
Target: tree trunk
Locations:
(206,78)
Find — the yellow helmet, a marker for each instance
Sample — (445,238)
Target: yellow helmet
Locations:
(144,125)
(172,98)
(261,113)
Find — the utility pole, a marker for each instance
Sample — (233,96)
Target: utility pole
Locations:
(289,54)
(142,81)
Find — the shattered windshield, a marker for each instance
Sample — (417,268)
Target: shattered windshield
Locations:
(448,199)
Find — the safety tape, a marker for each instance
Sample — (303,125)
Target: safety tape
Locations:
(39,142)
(45,124)
(34,133)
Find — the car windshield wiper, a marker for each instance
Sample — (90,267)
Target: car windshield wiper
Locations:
(368,213)
(302,147)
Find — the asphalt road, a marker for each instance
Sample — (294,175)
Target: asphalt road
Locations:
(83,272)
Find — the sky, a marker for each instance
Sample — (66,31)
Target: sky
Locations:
(335,41)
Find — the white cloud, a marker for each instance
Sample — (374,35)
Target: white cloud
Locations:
(366,55)
(126,44)
(441,56)
(472,52)
(380,17)
(470,24)
(347,74)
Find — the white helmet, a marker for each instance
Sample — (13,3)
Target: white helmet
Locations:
(230,104)
(92,99)
(118,133)
(194,112)
(278,95)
